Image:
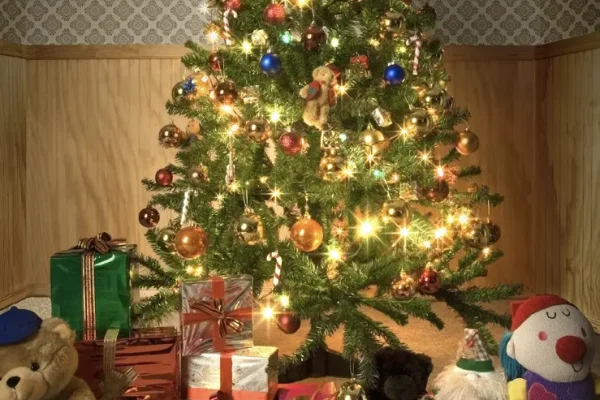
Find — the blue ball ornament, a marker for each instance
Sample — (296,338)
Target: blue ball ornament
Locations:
(394,74)
(270,64)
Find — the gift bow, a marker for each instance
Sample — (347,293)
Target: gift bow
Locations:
(216,311)
(101,243)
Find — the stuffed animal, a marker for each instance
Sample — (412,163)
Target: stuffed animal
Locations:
(549,354)
(319,96)
(473,377)
(38,359)
(403,375)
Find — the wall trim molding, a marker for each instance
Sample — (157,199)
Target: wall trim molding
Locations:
(453,53)
(31,290)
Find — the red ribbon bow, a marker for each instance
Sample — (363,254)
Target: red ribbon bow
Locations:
(215,310)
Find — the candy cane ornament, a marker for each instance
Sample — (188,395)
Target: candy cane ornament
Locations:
(418,42)
(226,28)
(278,263)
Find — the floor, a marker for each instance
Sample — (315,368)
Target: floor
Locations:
(419,335)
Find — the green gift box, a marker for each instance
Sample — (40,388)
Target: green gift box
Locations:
(91,286)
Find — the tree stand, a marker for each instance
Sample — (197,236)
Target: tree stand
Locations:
(324,363)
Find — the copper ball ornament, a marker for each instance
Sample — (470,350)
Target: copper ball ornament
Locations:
(351,390)
(291,143)
(495,232)
(398,211)
(430,281)
(307,234)
(198,174)
(171,136)
(375,142)
(274,14)
(438,192)
(331,167)
(288,322)
(163,177)
(257,129)
(404,287)
(314,37)
(421,121)
(166,240)
(467,142)
(477,234)
(226,93)
(191,242)
(149,217)
(215,62)
(250,229)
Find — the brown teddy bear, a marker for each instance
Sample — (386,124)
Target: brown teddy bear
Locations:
(319,96)
(38,359)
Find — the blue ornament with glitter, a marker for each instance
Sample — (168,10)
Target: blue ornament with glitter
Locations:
(16,325)
(270,64)
(394,75)
(189,86)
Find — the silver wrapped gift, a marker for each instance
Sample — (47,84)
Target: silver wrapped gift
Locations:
(254,370)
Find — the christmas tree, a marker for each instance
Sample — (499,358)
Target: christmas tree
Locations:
(331,119)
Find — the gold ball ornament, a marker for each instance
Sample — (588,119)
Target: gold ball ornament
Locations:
(260,37)
(351,390)
(331,167)
(435,98)
(375,142)
(171,136)
(257,129)
(398,211)
(182,96)
(467,142)
(166,240)
(197,175)
(393,24)
(201,82)
(249,228)
(421,121)
(191,242)
(404,287)
(495,232)
(307,235)
(477,234)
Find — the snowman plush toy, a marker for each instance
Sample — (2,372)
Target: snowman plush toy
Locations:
(549,353)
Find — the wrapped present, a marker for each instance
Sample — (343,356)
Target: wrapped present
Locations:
(90,286)
(246,374)
(307,391)
(152,354)
(216,314)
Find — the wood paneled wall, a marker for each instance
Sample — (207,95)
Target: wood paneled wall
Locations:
(14,275)
(91,137)
(567,222)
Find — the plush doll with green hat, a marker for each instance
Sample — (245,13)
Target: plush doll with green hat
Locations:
(473,376)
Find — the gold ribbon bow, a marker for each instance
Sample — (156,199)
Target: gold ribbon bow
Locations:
(215,311)
(115,382)
(101,243)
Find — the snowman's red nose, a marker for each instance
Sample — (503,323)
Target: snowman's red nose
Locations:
(570,349)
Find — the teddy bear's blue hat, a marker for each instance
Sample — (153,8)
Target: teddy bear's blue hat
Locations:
(17,325)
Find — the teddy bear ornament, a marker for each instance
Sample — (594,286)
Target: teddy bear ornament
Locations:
(548,354)
(38,359)
(320,97)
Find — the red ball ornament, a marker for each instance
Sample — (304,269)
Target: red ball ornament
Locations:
(149,217)
(430,281)
(291,143)
(274,14)
(163,177)
(233,4)
(288,322)
(314,37)
(215,62)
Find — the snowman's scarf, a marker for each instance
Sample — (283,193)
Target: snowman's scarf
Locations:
(512,368)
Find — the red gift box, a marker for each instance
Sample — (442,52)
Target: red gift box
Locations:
(309,391)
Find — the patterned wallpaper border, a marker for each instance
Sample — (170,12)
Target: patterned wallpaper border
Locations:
(468,22)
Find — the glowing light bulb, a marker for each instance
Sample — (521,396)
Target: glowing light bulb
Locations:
(343,137)
(486,251)
(199,271)
(213,36)
(335,42)
(286,38)
(284,300)
(374,42)
(404,232)
(263,179)
(440,172)
(463,219)
(220,198)
(302,3)
(275,193)
(425,156)
(342,89)
(227,109)
(234,187)
(268,313)
(402,49)
(427,244)
(246,47)
(367,228)
(450,219)
(348,171)
(334,254)
(440,232)
(275,116)
(189,270)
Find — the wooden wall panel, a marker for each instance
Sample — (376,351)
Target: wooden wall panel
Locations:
(12,178)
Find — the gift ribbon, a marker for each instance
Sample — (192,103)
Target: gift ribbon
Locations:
(222,321)
(101,243)
(115,382)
